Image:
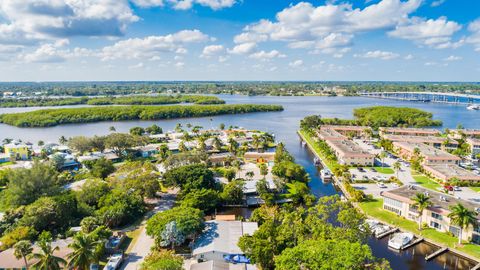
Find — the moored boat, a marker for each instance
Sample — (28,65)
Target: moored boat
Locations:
(399,240)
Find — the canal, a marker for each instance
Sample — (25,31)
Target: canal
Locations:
(284,125)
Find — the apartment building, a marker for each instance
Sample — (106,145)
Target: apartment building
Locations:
(326,133)
(431,155)
(474,144)
(409,131)
(399,202)
(350,153)
(356,131)
(469,133)
(437,142)
(446,172)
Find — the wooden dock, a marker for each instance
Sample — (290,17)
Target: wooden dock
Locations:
(476,267)
(387,233)
(413,243)
(436,253)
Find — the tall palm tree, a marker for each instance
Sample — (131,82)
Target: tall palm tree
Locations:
(397,167)
(62,140)
(421,201)
(45,258)
(382,156)
(84,252)
(23,249)
(462,217)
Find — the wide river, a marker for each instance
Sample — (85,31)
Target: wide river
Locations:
(284,125)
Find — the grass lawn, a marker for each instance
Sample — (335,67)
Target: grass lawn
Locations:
(427,182)
(310,141)
(384,170)
(476,189)
(375,210)
(7,163)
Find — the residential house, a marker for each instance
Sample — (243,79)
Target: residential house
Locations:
(257,157)
(474,144)
(17,150)
(399,201)
(220,238)
(4,158)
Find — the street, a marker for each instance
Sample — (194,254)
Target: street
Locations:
(144,242)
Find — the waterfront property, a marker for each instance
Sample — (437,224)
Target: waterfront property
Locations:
(447,172)
(329,134)
(348,131)
(408,131)
(433,141)
(220,239)
(17,150)
(431,155)
(4,158)
(399,202)
(469,133)
(350,153)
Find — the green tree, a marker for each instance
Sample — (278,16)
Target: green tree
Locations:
(163,152)
(298,192)
(140,176)
(137,131)
(462,217)
(62,140)
(397,166)
(46,260)
(189,221)
(263,169)
(382,156)
(196,176)
(232,146)
(81,144)
(102,168)
(323,255)
(92,191)
(120,142)
(421,202)
(171,236)
(84,252)
(250,174)
(233,192)
(22,250)
(17,234)
(162,260)
(154,129)
(41,143)
(27,185)
(203,199)
(120,207)
(112,129)
(57,161)
(229,174)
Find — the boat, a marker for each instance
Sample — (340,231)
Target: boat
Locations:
(316,161)
(380,229)
(325,174)
(304,143)
(114,262)
(399,240)
(370,223)
(473,107)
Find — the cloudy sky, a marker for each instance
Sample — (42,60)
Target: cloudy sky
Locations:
(398,40)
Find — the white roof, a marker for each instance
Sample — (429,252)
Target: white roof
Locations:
(251,186)
(222,236)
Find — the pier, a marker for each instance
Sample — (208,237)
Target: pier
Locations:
(438,97)
(413,243)
(380,236)
(436,253)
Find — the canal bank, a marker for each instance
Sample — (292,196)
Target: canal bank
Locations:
(470,261)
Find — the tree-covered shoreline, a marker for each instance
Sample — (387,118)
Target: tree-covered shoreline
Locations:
(110,100)
(54,117)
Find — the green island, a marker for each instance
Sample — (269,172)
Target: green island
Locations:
(383,116)
(53,117)
(110,100)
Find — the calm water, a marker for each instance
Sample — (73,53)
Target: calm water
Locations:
(284,125)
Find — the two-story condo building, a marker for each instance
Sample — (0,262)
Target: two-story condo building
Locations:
(409,131)
(431,155)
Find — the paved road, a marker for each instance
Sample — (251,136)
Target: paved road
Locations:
(144,242)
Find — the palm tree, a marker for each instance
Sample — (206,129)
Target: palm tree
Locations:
(84,252)
(462,217)
(112,129)
(62,140)
(256,141)
(383,155)
(23,249)
(421,201)
(45,258)
(232,146)
(397,167)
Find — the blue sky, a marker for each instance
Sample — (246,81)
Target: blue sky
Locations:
(396,40)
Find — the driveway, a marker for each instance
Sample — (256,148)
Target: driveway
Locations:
(144,242)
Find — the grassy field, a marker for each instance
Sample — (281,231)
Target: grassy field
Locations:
(384,170)
(476,189)
(7,163)
(426,182)
(375,210)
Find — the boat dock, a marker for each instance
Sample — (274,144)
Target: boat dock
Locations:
(387,233)
(476,267)
(436,253)
(413,243)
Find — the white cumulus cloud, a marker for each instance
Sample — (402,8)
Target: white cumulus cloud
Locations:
(383,55)
(263,55)
(243,48)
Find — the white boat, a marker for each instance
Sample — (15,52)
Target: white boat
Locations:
(473,107)
(325,174)
(114,262)
(399,240)
(379,229)
(370,223)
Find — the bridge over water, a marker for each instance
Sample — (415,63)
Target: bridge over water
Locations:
(425,97)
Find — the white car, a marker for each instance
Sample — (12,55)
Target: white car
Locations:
(381,185)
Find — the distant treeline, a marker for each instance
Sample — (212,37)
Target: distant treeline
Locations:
(242,88)
(378,116)
(53,117)
(125,100)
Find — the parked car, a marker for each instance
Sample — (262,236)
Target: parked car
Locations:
(373,170)
(381,185)
(360,169)
(456,188)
